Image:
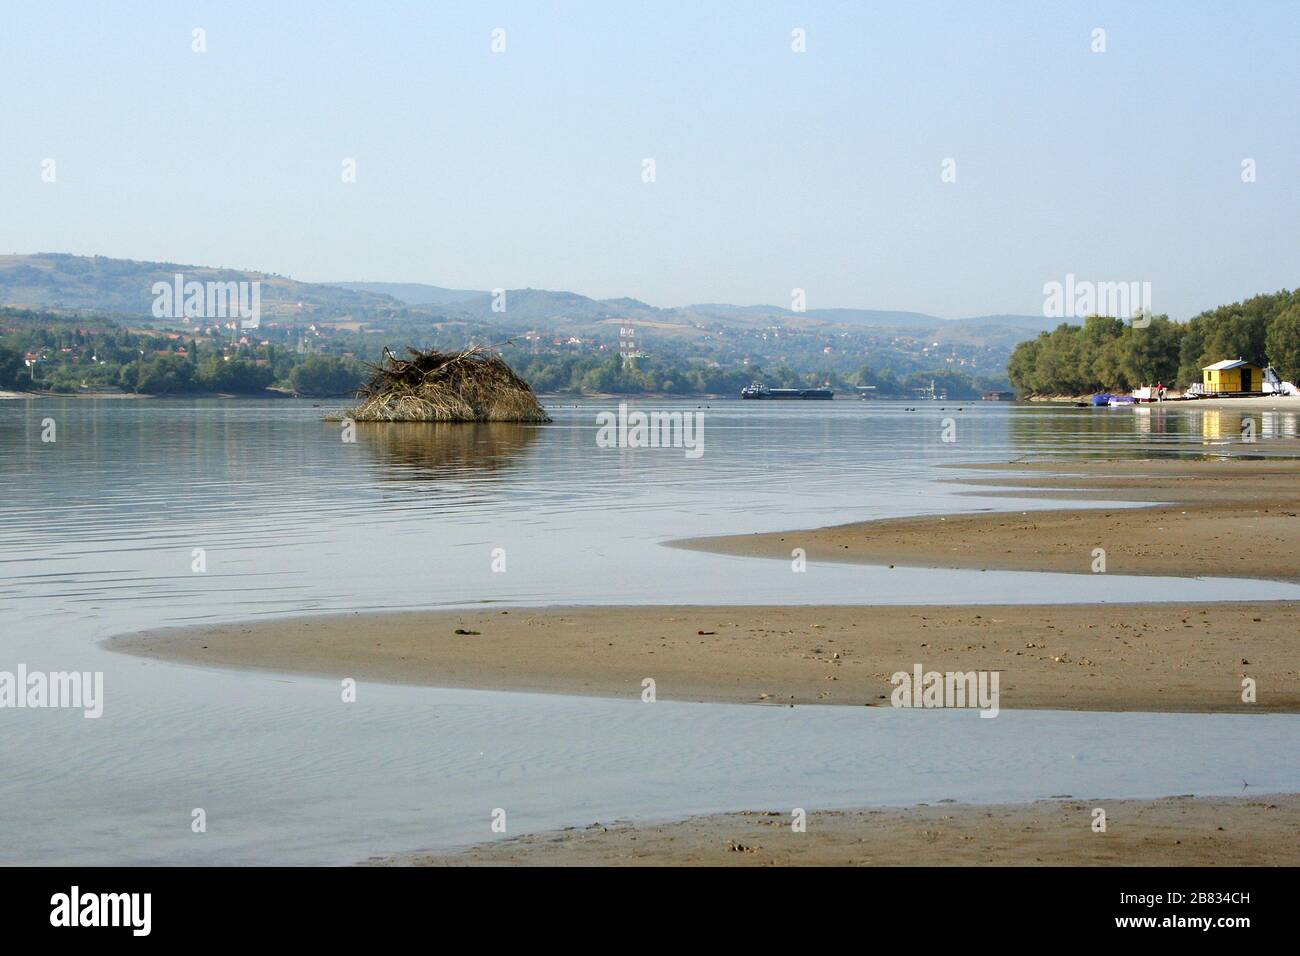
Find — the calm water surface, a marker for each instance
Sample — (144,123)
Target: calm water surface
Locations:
(99,531)
(103,522)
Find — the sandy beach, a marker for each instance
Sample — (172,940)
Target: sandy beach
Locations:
(1176,831)
(1145,657)
(1234,517)
(1255,403)
(1210,517)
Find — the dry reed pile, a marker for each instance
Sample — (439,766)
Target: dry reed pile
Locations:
(475,385)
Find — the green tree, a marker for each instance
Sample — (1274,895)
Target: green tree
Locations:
(1060,368)
(1239,330)
(1282,343)
(11,365)
(167,375)
(1191,354)
(1151,354)
(238,376)
(1099,352)
(323,375)
(1022,365)
(128,377)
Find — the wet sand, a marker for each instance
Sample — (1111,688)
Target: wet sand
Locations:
(1137,657)
(1176,831)
(1218,518)
(1236,517)
(1229,518)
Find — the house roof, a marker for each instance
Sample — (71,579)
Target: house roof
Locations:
(1225,365)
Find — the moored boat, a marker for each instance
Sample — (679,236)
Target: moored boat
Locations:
(762,391)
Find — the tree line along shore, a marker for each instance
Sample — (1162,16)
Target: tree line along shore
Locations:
(55,352)
(47,352)
(1109,354)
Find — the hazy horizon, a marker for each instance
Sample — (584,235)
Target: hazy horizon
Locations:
(774,169)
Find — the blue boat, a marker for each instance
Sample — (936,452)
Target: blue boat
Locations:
(1102,398)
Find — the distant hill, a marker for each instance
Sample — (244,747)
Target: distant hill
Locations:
(59,281)
(1036,323)
(540,305)
(886,319)
(876,317)
(413,293)
(546,307)
(558,334)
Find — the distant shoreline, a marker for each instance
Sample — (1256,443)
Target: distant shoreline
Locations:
(268,393)
(1280,402)
(1261,402)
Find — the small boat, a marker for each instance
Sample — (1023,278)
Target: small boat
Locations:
(1118,400)
(762,391)
(1273,385)
(1102,399)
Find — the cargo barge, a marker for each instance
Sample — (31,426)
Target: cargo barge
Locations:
(762,391)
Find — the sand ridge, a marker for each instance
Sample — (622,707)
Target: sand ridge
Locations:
(1142,657)
(1176,831)
(1232,517)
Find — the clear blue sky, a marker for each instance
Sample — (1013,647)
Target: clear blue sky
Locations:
(775,170)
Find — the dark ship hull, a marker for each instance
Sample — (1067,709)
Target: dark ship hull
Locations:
(776,394)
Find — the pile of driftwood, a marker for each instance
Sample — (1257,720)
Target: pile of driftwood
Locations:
(475,385)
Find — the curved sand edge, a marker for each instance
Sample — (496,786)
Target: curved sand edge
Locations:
(1133,657)
(1175,831)
(1219,518)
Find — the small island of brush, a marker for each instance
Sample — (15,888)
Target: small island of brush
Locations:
(474,385)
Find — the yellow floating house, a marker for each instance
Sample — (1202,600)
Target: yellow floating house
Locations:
(1232,376)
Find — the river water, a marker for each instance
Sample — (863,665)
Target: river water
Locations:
(102,530)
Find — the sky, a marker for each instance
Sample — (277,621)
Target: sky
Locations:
(774,170)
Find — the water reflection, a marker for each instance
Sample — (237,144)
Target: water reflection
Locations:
(1279,424)
(1144,431)
(1228,424)
(413,451)
(293,520)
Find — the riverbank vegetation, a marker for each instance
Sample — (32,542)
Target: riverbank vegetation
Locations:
(56,352)
(1109,354)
